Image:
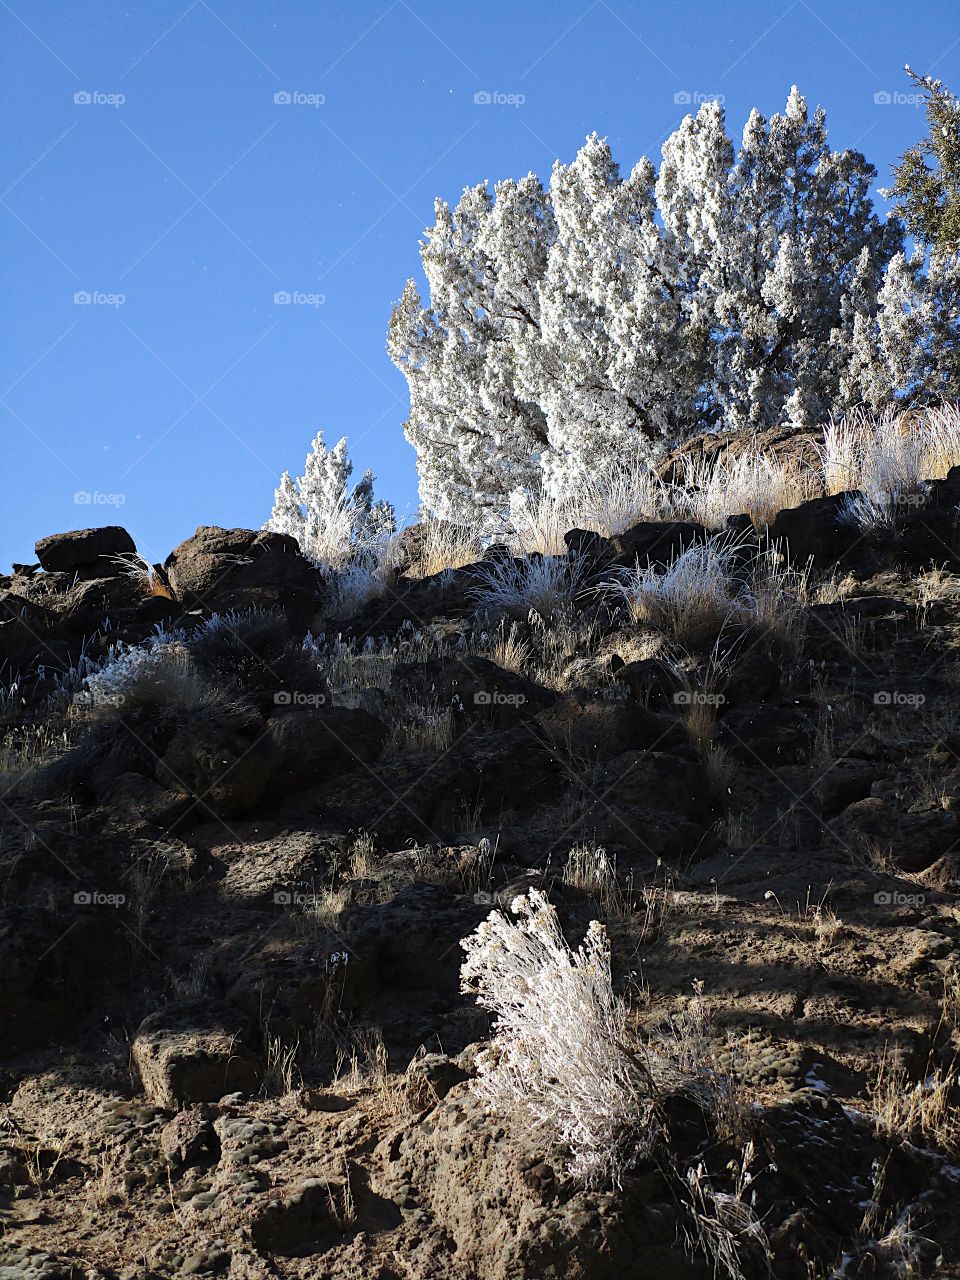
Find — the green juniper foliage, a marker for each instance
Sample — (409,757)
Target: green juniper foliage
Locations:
(927,179)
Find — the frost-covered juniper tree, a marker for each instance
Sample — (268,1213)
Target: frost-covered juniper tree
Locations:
(780,249)
(605,316)
(330,521)
(471,424)
(919,317)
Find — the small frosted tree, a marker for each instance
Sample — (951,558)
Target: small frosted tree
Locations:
(332,522)
(927,177)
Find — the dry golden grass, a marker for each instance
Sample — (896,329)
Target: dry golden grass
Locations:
(910,1109)
(442,545)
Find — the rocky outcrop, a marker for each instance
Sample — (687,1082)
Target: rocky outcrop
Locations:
(256,887)
(87,552)
(219,569)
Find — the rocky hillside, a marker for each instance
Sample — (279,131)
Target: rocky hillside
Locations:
(242,841)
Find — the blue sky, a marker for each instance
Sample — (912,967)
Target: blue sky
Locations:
(151,169)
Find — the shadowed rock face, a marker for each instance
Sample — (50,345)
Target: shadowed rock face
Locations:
(194,1051)
(230,927)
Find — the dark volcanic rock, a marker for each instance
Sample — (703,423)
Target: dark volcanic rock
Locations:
(312,745)
(477,687)
(913,841)
(194,1050)
(84,548)
(591,731)
(221,760)
(814,531)
(237,568)
(656,541)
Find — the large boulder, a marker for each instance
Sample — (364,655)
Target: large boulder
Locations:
(77,603)
(507,1205)
(912,841)
(21,626)
(768,733)
(796,449)
(655,780)
(219,569)
(444,599)
(927,529)
(656,541)
(83,550)
(475,687)
(588,732)
(194,1050)
(51,966)
(816,531)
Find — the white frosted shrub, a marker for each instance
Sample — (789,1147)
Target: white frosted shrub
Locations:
(558,1055)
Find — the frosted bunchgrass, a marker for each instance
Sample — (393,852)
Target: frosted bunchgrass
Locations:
(351,586)
(441,545)
(753,483)
(559,1054)
(777,594)
(537,522)
(882,464)
(613,499)
(546,584)
(692,598)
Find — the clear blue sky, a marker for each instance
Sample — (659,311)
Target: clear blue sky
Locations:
(198,197)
